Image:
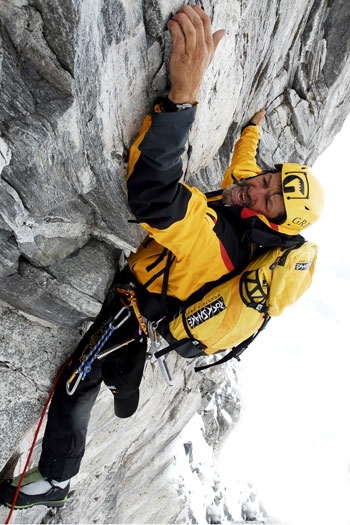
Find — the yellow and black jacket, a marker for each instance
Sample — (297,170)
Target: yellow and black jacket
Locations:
(199,240)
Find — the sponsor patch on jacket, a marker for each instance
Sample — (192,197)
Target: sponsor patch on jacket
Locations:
(206,312)
(303,265)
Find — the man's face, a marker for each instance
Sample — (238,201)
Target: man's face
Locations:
(261,194)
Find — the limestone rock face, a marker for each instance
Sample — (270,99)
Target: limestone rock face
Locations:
(77,78)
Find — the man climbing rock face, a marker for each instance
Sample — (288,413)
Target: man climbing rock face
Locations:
(182,224)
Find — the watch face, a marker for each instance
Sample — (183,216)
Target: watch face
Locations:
(181,107)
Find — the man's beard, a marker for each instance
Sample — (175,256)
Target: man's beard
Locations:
(237,195)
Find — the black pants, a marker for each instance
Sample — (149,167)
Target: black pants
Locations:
(65,434)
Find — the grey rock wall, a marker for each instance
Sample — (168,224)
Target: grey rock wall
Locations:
(77,78)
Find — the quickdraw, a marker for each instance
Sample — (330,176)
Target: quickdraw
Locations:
(85,367)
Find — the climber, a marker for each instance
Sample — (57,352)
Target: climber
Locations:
(192,239)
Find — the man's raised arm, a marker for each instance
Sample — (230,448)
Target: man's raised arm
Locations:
(155,165)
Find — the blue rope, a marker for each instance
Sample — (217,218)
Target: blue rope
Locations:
(85,366)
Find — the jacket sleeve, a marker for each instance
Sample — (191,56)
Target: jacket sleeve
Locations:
(155,167)
(174,214)
(243,164)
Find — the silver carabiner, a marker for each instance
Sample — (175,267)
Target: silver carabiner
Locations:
(154,346)
(70,391)
(111,325)
(153,334)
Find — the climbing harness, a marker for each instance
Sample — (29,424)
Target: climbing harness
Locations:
(149,328)
(85,367)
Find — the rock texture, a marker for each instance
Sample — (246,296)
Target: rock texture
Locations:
(77,78)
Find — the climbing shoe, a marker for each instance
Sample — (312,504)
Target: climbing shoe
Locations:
(35,490)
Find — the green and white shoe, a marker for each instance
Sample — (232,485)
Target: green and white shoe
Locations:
(35,490)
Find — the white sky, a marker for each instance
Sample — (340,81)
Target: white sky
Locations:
(293,438)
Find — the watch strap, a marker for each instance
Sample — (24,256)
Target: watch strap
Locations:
(169,106)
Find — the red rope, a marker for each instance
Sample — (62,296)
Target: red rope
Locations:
(35,439)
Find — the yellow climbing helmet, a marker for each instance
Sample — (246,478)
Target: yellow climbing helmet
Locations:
(303,198)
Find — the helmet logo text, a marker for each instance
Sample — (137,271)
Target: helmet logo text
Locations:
(303,223)
(296,186)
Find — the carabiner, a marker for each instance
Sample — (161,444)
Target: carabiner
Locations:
(70,391)
(155,344)
(112,326)
(153,333)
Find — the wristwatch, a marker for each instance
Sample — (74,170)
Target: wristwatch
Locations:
(181,107)
(170,106)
